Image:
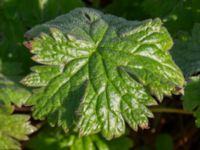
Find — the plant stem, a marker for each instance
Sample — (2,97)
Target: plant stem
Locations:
(171,110)
(23,109)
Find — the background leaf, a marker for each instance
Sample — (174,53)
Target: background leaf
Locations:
(12,128)
(177,15)
(10,92)
(186,51)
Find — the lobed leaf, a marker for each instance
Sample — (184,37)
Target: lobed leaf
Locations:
(104,66)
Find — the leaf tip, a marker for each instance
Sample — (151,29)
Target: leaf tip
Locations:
(179,90)
(144,125)
(28,44)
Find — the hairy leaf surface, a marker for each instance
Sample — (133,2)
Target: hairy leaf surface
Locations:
(104,66)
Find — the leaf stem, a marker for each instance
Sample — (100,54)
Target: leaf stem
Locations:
(171,110)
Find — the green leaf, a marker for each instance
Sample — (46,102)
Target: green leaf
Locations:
(186,52)
(108,64)
(191,101)
(52,138)
(10,92)
(164,142)
(13,128)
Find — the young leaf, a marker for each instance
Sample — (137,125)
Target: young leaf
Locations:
(108,64)
(12,128)
(51,139)
(186,52)
(191,101)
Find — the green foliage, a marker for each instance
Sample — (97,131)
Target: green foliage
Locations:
(53,138)
(11,69)
(177,14)
(186,51)
(97,72)
(17,16)
(10,92)
(126,9)
(12,128)
(161,9)
(116,61)
(191,99)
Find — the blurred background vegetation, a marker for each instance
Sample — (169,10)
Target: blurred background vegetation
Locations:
(167,131)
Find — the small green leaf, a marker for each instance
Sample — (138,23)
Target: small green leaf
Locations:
(12,128)
(186,52)
(108,64)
